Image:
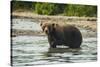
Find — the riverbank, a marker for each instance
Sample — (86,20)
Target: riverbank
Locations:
(50,17)
(89,23)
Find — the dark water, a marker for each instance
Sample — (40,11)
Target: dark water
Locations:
(34,50)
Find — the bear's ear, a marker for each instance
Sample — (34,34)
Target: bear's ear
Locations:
(54,25)
(41,24)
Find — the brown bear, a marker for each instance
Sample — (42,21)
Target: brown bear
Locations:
(58,34)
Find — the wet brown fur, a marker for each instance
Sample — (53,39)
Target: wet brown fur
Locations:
(67,35)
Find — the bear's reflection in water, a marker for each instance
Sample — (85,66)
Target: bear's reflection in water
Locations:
(62,55)
(62,50)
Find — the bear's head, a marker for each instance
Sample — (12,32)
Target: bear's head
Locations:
(48,28)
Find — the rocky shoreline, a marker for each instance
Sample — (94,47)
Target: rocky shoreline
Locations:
(89,23)
(51,17)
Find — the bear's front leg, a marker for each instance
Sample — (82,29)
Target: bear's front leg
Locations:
(52,45)
(52,42)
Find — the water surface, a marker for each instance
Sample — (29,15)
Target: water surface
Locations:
(34,50)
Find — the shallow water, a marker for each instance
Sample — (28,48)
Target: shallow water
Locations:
(25,24)
(34,50)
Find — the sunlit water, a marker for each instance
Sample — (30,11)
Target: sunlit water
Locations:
(34,50)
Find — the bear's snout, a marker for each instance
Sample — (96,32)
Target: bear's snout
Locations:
(46,30)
